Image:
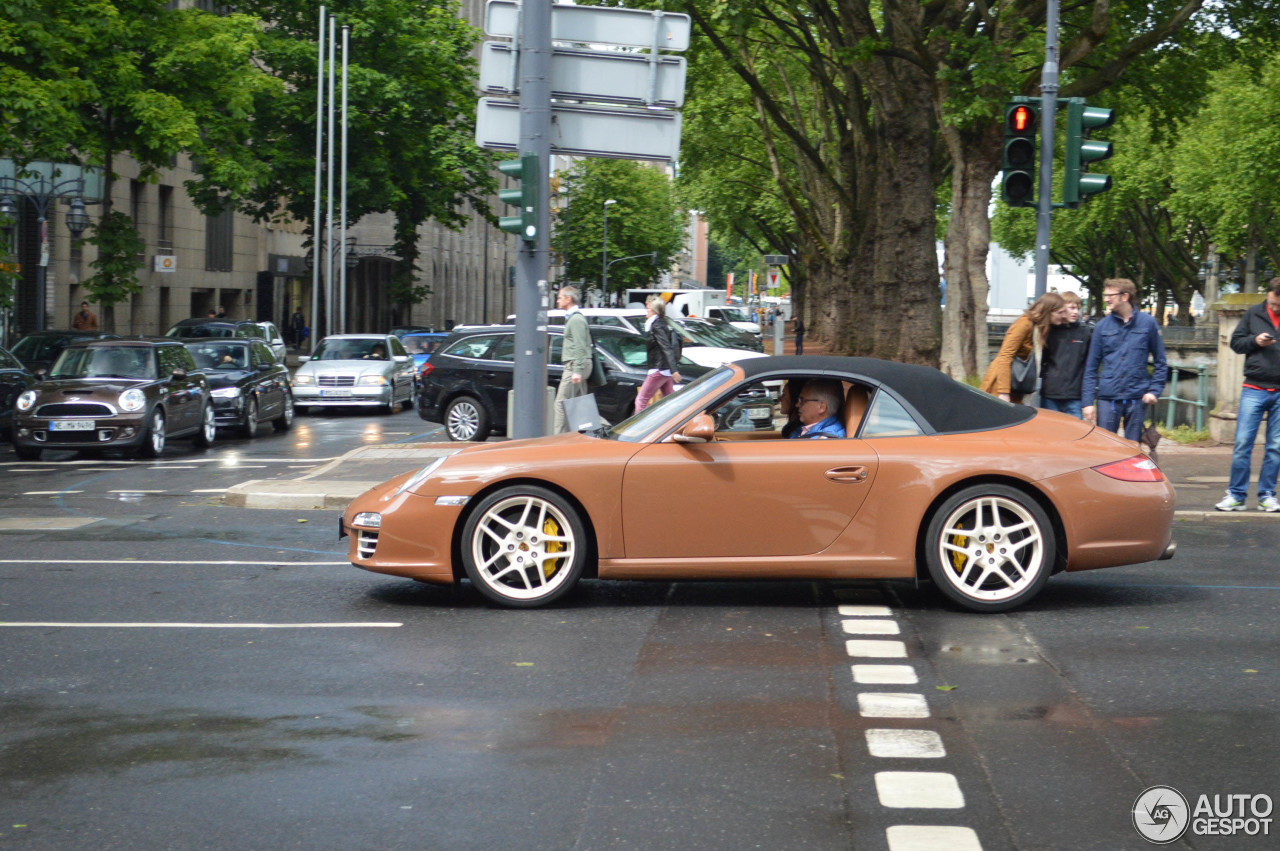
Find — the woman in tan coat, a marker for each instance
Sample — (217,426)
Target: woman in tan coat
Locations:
(1024,337)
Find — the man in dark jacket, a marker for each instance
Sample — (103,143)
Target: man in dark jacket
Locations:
(1255,338)
(1062,361)
(1122,343)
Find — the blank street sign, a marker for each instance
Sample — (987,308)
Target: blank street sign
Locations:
(584,131)
(597,25)
(591,75)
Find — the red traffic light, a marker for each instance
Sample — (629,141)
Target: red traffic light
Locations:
(1022,119)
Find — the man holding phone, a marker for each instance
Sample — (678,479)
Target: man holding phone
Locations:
(1255,338)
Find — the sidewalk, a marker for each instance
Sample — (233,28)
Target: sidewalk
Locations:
(1199,476)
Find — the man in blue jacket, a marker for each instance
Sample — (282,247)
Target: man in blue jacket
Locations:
(1255,338)
(1115,373)
(819,409)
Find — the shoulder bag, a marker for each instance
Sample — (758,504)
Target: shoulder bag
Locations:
(1022,375)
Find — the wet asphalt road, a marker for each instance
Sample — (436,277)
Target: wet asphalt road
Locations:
(256,692)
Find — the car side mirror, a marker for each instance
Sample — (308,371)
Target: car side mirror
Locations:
(303,358)
(402,358)
(700,429)
(179,373)
(40,373)
(263,367)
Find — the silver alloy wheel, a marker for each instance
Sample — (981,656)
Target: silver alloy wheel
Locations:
(285,420)
(250,426)
(155,439)
(992,549)
(462,420)
(524,548)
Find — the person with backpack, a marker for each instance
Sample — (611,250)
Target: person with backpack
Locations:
(663,353)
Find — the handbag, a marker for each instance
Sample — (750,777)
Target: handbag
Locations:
(581,413)
(1022,375)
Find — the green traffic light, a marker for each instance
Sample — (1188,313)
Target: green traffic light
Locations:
(525,197)
(1077,183)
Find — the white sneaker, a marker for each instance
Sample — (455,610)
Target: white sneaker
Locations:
(1269,504)
(1230,503)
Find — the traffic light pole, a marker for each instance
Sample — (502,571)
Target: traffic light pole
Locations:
(533,261)
(1049,114)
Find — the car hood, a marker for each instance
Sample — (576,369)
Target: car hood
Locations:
(715,355)
(99,387)
(347,367)
(226,377)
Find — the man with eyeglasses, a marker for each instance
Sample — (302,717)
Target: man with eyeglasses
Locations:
(1255,338)
(1115,372)
(819,409)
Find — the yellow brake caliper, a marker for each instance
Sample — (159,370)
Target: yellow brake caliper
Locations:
(959,560)
(550,566)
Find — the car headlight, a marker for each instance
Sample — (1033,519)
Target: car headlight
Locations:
(368,519)
(225,392)
(27,400)
(304,378)
(133,399)
(420,476)
(372,379)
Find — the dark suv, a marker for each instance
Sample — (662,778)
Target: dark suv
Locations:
(465,383)
(131,393)
(38,350)
(192,329)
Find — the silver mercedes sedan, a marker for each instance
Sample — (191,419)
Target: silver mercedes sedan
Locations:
(356,369)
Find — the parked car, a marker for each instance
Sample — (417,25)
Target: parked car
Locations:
(465,384)
(401,330)
(711,333)
(14,380)
(702,343)
(39,350)
(735,315)
(356,369)
(249,386)
(132,393)
(935,480)
(192,329)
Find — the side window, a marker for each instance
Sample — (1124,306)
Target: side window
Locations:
(397,347)
(608,321)
(263,353)
(887,418)
(170,360)
(556,350)
(505,350)
(471,347)
(7,361)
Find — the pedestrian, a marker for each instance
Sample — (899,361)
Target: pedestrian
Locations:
(1255,338)
(661,356)
(1062,361)
(212,314)
(296,323)
(1024,337)
(1122,344)
(222,311)
(799,329)
(575,354)
(85,320)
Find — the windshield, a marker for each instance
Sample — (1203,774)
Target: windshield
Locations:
(41,347)
(733,314)
(638,427)
(102,362)
(219,356)
(631,349)
(704,334)
(375,349)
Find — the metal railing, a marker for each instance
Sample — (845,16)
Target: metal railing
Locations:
(1200,403)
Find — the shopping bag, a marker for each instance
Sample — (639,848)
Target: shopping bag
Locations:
(581,413)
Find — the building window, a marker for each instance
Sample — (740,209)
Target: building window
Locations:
(164,221)
(219,232)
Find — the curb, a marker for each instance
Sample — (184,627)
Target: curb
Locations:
(259,493)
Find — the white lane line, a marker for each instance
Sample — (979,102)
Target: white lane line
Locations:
(913,837)
(883,704)
(70,625)
(48,493)
(884,675)
(131,490)
(169,561)
(905,744)
(874,649)
(211,490)
(870,627)
(933,790)
(865,611)
(174,467)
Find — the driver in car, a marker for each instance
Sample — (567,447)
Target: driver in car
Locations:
(819,406)
(379,352)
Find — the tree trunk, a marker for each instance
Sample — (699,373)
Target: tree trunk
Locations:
(974,162)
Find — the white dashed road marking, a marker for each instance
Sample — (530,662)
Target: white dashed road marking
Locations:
(72,625)
(892,705)
(865,611)
(873,675)
(876,649)
(930,790)
(870,627)
(911,837)
(905,744)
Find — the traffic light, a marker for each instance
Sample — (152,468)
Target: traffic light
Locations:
(1018,164)
(525,197)
(1077,183)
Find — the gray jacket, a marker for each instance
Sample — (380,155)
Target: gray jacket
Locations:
(576,351)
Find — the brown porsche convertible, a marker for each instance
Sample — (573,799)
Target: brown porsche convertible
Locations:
(932,480)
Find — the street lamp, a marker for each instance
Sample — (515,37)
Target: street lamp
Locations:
(41,190)
(604,276)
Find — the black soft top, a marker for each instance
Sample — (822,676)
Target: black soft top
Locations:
(940,402)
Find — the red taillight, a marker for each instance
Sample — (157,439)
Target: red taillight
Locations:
(1139,468)
(426,369)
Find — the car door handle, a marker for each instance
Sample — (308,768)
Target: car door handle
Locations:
(847,475)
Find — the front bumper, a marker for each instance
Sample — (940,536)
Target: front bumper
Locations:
(121,431)
(340,397)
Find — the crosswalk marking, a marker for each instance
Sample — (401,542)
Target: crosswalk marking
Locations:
(905,744)
(884,675)
(927,790)
(876,649)
(870,627)
(892,705)
(918,837)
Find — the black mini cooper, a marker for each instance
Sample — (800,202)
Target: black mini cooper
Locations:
(132,393)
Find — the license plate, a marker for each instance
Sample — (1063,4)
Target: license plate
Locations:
(71,425)
(329,394)
(759,413)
